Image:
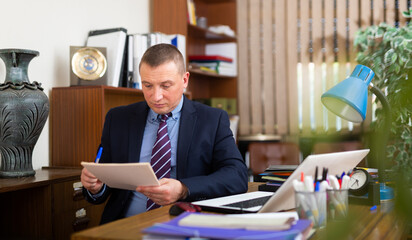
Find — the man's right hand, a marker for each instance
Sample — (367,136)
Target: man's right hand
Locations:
(90,182)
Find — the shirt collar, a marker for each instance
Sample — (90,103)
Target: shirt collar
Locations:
(153,117)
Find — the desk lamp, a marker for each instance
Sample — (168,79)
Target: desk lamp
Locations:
(348,100)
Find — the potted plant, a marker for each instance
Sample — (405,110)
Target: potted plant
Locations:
(387,50)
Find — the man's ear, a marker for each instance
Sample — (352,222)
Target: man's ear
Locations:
(186,79)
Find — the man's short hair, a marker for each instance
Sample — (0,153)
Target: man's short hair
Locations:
(162,53)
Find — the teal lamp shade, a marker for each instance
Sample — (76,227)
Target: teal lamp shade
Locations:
(348,99)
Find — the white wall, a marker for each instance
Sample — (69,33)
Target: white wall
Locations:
(51,27)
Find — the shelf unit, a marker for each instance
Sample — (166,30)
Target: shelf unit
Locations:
(171,17)
(77,119)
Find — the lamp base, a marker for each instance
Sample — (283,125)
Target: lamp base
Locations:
(371,198)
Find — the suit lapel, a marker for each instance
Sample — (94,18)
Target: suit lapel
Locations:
(137,125)
(187,124)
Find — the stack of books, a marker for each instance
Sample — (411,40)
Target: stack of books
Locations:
(213,63)
(274,177)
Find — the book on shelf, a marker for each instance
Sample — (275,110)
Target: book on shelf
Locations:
(227,104)
(227,50)
(212,64)
(275,173)
(191,12)
(221,70)
(114,40)
(209,58)
(218,63)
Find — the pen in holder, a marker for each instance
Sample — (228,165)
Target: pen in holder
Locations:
(337,203)
(312,205)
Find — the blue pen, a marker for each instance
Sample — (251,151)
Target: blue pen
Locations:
(99,154)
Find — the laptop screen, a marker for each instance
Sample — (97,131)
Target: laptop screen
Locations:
(283,198)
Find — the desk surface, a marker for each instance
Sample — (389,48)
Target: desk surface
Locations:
(41,178)
(367,225)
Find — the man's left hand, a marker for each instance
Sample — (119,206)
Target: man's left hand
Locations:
(169,191)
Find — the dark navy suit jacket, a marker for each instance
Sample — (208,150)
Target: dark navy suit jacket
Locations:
(208,160)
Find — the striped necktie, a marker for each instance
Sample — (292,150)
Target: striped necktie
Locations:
(161,155)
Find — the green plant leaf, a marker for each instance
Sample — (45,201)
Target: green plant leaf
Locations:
(390,57)
(396,42)
(408,64)
(404,57)
(407,45)
(405,135)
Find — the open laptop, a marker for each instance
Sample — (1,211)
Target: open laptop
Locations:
(283,198)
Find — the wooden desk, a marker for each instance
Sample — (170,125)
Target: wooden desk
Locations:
(368,225)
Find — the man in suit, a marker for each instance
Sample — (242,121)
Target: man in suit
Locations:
(204,159)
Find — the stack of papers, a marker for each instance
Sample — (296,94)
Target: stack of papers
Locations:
(123,175)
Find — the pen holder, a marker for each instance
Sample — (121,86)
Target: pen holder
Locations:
(337,204)
(312,206)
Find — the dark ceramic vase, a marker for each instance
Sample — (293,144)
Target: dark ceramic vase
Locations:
(24,109)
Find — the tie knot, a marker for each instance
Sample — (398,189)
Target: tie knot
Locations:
(164,117)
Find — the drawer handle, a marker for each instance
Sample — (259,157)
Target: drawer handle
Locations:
(81,220)
(78,195)
(81,223)
(77,191)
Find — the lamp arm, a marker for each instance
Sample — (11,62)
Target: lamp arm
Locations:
(384,132)
(385,103)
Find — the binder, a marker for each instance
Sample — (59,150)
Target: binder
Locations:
(173,229)
(130,49)
(114,40)
(143,41)
(178,41)
(139,47)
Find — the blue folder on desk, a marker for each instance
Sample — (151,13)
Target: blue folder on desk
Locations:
(172,228)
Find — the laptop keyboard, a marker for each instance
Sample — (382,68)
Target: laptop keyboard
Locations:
(250,203)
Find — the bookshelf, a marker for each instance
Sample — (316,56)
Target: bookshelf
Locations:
(171,17)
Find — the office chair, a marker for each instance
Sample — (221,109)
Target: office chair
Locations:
(264,154)
(329,147)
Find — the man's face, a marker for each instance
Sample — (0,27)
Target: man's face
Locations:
(163,86)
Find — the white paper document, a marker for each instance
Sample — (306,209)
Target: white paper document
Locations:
(123,175)
(261,221)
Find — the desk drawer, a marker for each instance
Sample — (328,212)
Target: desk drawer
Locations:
(68,198)
(67,223)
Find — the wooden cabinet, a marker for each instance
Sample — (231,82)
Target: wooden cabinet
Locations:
(77,118)
(44,206)
(171,17)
